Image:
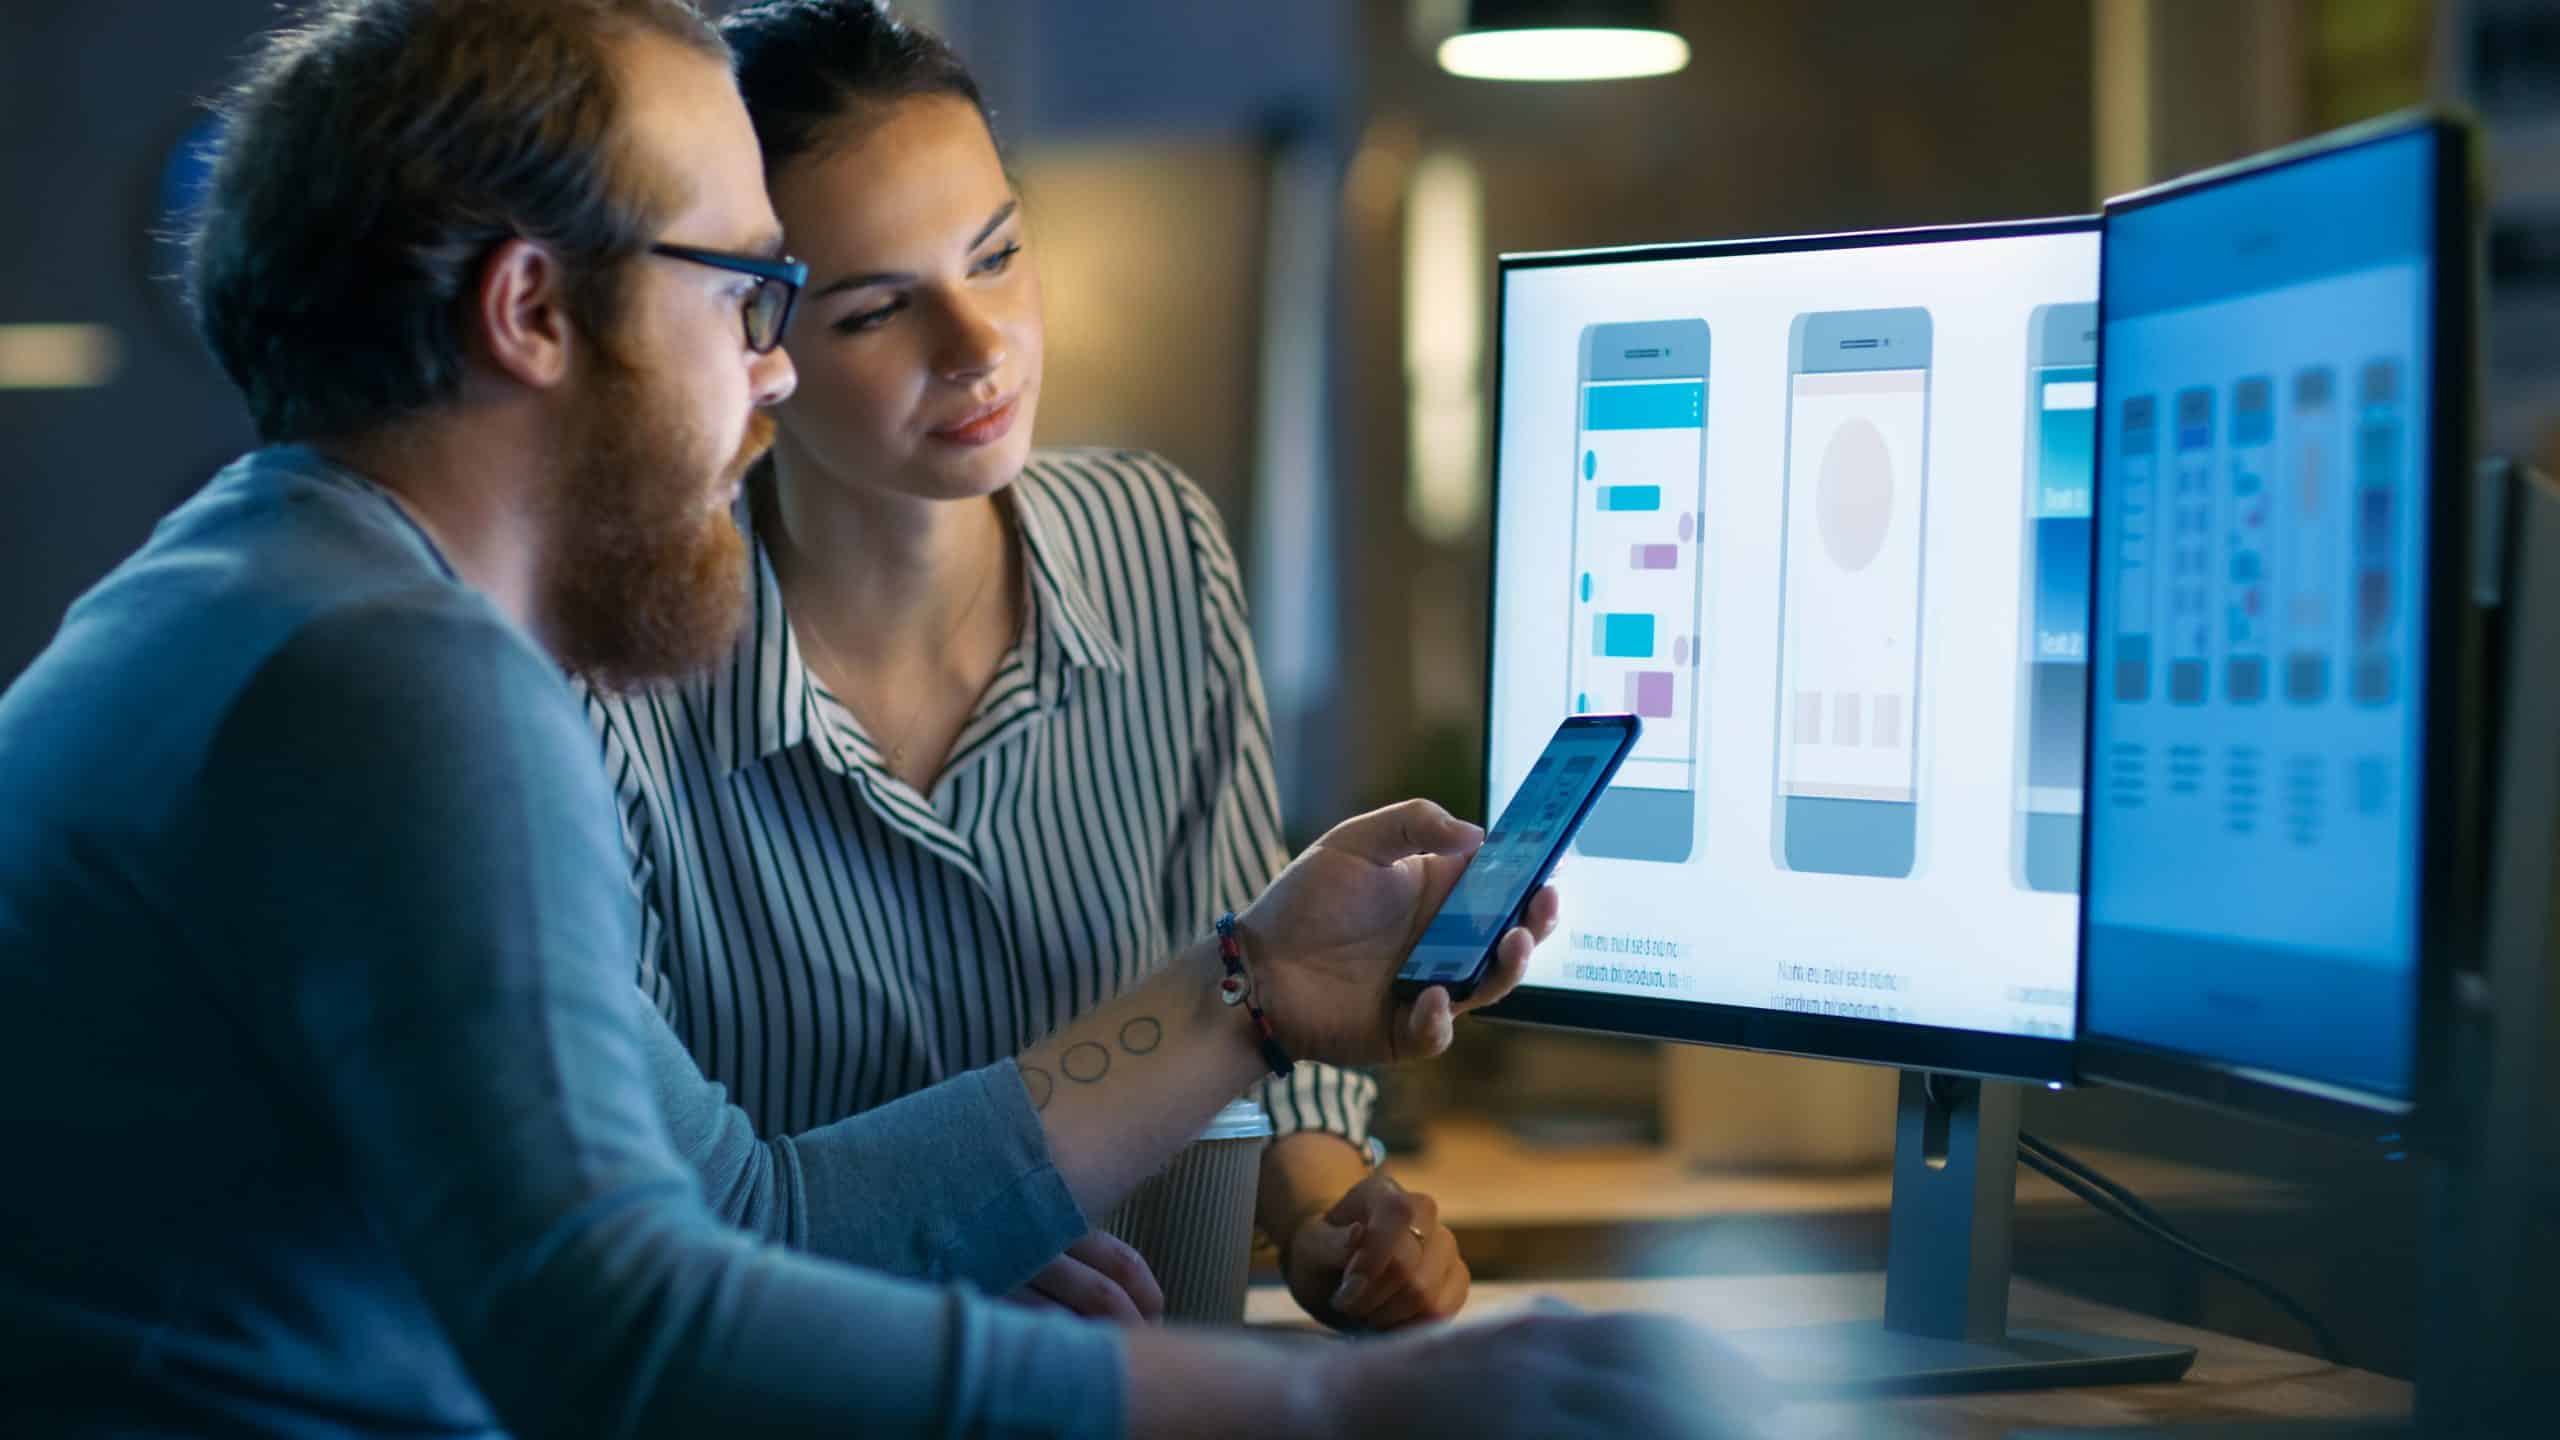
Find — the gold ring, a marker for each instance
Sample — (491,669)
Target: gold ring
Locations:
(1416,1232)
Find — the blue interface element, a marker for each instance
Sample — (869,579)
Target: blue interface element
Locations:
(1531,829)
(2254,802)
(1674,405)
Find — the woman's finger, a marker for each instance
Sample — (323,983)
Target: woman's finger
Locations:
(1427,1296)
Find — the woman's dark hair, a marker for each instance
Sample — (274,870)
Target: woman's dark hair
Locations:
(809,68)
(373,156)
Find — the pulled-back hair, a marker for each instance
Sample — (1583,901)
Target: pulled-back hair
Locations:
(372,158)
(811,71)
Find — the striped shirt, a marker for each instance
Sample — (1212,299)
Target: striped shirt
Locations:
(826,940)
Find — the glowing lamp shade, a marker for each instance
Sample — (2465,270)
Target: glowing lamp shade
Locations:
(1563,40)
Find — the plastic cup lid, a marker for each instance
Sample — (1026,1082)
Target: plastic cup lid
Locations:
(1240,1120)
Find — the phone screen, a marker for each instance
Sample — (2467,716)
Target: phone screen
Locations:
(1849,627)
(1639,541)
(1517,851)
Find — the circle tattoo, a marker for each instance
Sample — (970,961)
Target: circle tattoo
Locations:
(1142,1035)
(1036,1081)
(1085,1062)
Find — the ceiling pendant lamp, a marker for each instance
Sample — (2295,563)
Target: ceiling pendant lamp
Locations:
(1563,40)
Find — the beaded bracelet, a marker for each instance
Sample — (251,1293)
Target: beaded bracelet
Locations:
(1237,989)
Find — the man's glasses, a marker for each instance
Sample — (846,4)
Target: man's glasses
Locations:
(769,304)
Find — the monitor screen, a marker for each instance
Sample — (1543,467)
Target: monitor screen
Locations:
(2262,582)
(1818,511)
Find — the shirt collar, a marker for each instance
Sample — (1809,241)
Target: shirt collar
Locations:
(765,700)
(1063,598)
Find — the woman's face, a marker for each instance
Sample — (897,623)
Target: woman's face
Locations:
(918,344)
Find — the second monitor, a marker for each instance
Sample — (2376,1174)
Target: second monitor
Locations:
(1818,510)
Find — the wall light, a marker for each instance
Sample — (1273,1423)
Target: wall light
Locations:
(1562,40)
(1444,346)
(58,357)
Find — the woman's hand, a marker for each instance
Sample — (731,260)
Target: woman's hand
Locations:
(1379,1259)
(1327,938)
(1098,1278)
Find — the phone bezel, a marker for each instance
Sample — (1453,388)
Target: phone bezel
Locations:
(1629,728)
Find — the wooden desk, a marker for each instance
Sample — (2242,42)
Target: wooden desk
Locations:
(1486,1178)
(2232,1379)
(1529,1212)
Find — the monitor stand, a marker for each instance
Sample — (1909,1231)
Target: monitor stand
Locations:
(1946,1292)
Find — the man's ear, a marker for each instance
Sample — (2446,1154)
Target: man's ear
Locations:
(521,314)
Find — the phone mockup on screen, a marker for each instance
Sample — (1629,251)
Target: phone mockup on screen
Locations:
(1850,582)
(1638,589)
(2053,609)
(1519,853)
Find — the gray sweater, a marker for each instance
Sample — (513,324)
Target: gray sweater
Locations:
(337,1108)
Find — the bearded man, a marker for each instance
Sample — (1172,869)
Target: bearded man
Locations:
(340,1113)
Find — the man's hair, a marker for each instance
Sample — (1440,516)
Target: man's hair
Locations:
(809,69)
(374,156)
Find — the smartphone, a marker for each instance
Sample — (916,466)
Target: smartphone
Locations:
(1519,853)
(1847,773)
(2053,610)
(1638,582)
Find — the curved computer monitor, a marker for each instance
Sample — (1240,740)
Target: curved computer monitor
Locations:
(2284,490)
(1818,510)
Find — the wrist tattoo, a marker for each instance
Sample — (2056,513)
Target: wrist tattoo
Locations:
(1036,1081)
(1085,1062)
(1142,1035)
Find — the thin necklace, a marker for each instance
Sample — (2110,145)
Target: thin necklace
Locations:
(906,727)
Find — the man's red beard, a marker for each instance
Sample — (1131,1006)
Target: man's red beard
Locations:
(647,572)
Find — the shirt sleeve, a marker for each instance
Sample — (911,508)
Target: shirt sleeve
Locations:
(420,875)
(953,1182)
(1228,845)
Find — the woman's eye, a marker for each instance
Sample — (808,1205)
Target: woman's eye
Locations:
(862,320)
(997,263)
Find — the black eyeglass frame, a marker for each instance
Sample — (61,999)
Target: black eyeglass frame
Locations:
(784,271)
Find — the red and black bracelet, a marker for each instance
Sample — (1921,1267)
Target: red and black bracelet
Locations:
(1237,989)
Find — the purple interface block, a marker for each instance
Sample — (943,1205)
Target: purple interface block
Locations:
(1649,693)
(1656,557)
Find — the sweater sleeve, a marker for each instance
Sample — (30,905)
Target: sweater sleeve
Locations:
(419,847)
(953,1182)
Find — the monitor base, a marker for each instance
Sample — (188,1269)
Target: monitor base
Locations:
(1863,1357)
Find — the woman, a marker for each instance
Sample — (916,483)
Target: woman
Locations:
(992,745)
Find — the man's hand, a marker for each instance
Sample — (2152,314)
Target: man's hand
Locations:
(1554,1378)
(1098,1278)
(1379,1259)
(1327,938)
